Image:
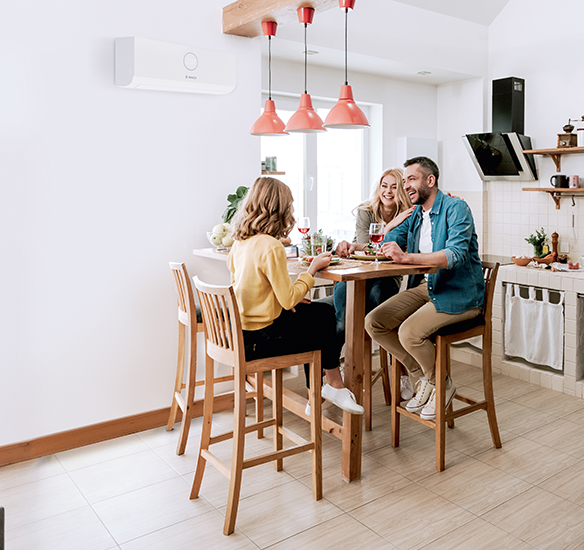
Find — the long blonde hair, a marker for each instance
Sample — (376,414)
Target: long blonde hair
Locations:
(375,205)
(267,209)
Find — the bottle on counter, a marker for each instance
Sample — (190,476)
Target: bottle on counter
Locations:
(545,249)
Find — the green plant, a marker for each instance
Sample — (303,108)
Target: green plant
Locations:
(306,243)
(234,200)
(537,240)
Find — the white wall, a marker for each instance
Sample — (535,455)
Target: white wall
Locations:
(101,187)
(523,42)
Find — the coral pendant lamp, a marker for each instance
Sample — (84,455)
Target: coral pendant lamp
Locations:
(269,123)
(305,120)
(346,113)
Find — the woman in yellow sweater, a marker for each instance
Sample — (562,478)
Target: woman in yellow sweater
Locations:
(276,318)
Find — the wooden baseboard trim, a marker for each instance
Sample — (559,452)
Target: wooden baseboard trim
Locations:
(79,437)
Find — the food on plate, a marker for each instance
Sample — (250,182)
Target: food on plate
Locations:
(573,266)
(334,260)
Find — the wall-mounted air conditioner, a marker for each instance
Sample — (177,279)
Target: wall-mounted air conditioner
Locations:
(153,65)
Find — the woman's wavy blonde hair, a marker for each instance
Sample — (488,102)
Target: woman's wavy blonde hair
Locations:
(375,205)
(267,209)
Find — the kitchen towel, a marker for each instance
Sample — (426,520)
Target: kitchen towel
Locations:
(534,330)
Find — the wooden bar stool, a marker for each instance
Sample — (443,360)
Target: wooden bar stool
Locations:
(457,332)
(224,342)
(370,378)
(190,323)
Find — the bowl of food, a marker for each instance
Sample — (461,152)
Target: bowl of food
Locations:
(220,236)
(521,260)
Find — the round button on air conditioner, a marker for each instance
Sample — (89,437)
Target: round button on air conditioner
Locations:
(191,62)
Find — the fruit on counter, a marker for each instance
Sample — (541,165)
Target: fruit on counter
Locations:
(573,266)
(221,234)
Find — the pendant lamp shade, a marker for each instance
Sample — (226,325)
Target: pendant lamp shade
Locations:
(346,113)
(305,119)
(269,123)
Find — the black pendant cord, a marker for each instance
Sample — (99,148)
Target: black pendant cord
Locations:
(305,60)
(269,67)
(346,34)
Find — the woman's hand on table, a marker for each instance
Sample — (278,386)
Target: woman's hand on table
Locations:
(319,262)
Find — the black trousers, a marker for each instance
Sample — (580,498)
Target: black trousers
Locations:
(311,327)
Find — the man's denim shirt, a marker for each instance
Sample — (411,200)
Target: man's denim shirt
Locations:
(461,285)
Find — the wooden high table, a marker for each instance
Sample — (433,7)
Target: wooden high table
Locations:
(357,348)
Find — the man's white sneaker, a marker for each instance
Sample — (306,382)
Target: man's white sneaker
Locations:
(342,398)
(429,411)
(418,402)
(307,409)
(405,388)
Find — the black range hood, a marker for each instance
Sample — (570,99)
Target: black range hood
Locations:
(498,155)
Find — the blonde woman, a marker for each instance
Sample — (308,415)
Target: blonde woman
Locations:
(389,204)
(275,317)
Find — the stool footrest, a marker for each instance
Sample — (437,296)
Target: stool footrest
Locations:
(270,457)
(219,464)
(416,417)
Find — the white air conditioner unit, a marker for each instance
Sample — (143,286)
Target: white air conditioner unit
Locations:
(153,65)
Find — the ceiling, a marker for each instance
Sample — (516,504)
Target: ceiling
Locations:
(483,12)
(374,43)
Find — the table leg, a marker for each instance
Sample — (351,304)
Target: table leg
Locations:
(354,356)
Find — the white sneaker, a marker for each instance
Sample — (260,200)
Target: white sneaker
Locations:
(429,411)
(307,409)
(405,388)
(342,398)
(418,402)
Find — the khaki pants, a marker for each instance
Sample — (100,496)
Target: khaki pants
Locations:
(403,325)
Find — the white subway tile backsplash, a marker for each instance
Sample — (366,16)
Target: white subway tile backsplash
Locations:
(544,279)
(570,313)
(555,282)
(570,341)
(546,380)
(570,326)
(558,383)
(533,277)
(570,354)
(567,284)
(570,298)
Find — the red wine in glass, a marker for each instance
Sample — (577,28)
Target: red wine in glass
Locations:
(303,230)
(376,235)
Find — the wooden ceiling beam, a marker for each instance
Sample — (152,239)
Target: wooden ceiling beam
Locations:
(244,17)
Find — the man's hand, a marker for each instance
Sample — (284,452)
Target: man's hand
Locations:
(392,250)
(345,249)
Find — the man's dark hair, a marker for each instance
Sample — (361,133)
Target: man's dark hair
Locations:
(427,165)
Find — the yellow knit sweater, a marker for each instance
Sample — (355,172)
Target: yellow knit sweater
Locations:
(260,279)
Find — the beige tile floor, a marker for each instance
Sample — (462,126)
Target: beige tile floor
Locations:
(132,493)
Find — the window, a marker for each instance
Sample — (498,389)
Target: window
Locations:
(325,172)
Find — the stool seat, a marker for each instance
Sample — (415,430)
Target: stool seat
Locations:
(461,326)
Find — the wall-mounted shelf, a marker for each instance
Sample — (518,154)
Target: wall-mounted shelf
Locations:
(268,173)
(557,193)
(556,154)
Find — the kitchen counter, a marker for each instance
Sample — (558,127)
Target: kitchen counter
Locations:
(571,380)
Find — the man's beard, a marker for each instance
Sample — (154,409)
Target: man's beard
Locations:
(423,194)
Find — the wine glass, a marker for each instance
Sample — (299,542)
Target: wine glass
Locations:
(376,235)
(303,226)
